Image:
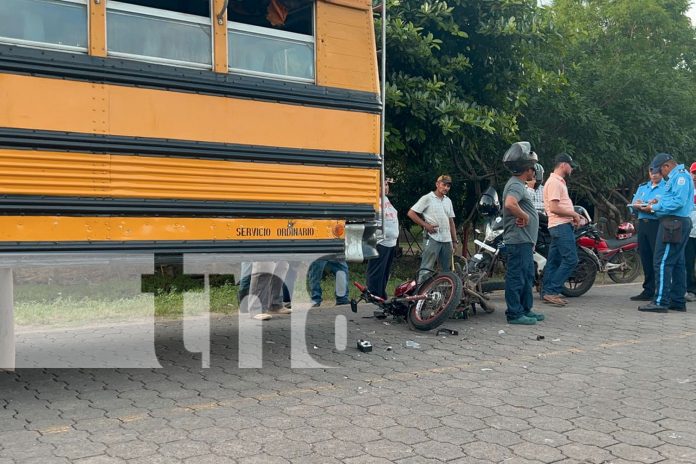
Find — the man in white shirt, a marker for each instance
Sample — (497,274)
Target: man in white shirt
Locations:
(438,221)
(536,189)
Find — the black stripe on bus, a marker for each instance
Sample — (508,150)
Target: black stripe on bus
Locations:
(112,144)
(50,63)
(279,247)
(30,205)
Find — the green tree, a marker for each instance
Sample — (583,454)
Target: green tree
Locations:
(625,92)
(458,74)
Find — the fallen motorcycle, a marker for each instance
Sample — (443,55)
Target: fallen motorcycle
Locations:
(425,306)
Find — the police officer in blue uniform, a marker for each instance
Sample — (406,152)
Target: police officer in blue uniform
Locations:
(673,210)
(647,231)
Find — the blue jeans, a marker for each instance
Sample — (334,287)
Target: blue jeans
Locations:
(289,284)
(316,272)
(244,285)
(519,279)
(670,268)
(562,259)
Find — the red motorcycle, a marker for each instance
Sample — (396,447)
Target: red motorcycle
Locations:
(424,306)
(617,257)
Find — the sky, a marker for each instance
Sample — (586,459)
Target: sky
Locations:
(691,13)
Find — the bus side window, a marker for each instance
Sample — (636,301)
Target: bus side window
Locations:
(46,23)
(136,30)
(279,50)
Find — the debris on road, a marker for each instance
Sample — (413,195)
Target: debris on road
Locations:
(364,346)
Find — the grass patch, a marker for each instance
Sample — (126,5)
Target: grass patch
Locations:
(42,304)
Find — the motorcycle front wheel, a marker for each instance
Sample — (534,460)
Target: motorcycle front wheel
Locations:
(443,292)
(582,278)
(631,261)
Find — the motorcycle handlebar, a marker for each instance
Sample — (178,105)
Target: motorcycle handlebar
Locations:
(589,230)
(360,287)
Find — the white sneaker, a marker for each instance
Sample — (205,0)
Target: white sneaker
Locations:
(690,296)
(263,317)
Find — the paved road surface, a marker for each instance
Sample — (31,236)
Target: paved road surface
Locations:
(606,384)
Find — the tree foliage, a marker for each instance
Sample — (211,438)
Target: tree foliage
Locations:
(609,81)
(627,92)
(457,83)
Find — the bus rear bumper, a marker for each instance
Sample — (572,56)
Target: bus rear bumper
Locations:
(361,242)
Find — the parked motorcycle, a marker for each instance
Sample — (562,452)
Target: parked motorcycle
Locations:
(585,272)
(491,251)
(425,306)
(618,257)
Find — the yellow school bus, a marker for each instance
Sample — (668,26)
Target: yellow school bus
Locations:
(173,126)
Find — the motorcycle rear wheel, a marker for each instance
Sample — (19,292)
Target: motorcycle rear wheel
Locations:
(632,261)
(582,278)
(444,292)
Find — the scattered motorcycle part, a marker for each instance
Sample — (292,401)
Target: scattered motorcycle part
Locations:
(447,332)
(364,346)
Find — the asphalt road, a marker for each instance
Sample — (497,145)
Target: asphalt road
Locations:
(605,384)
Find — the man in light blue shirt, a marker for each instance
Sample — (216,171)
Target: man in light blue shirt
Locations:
(673,209)
(647,231)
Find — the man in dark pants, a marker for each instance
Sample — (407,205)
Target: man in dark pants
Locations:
(673,209)
(378,268)
(647,231)
(521,227)
(690,251)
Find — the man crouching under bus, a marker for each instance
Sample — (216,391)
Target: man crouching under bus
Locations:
(521,227)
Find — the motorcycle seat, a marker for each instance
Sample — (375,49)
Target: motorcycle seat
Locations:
(613,244)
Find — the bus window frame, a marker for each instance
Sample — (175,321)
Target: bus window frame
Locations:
(53,46)
(158,13)
(234,26)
